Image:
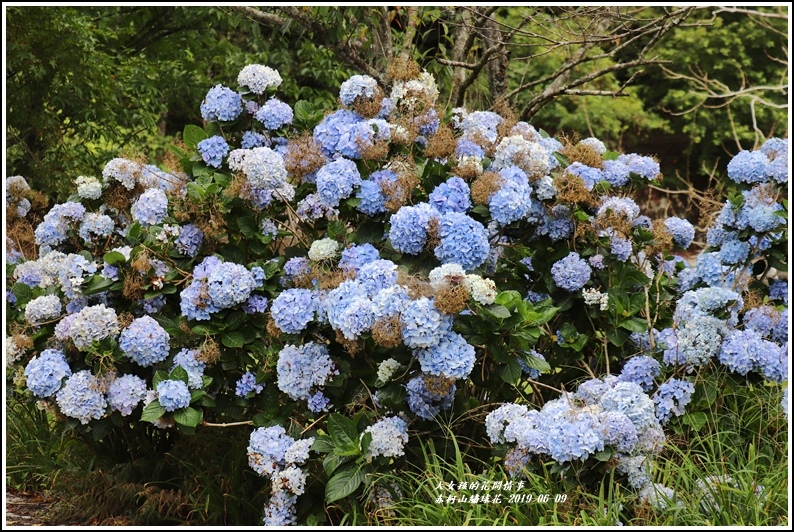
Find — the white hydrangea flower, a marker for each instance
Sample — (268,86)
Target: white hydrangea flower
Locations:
(482,291)
(386,369)
(13,351)
(594,143)
(593,297)
(292,479)
(531,157)
(258,78)
(323,249)
(438,276)
(470,163)
(88,187)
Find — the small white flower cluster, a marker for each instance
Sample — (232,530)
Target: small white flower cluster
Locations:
(258,78)
(88,187)
(169,231)
(593,297)
(323,249)
(13,351)
(482,290)
(386,369)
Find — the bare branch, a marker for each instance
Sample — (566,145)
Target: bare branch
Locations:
(752,12)
(260,16)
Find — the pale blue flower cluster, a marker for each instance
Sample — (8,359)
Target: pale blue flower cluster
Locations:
(216,285)
(187,359)
(189,240)
(389,436)
(91,324)
(620,247)
(512,201)
(333,134)
(356,256)
(681,230)
(641,165)
(145,341)
(451,357)
(451,196)
(695,343)
(672,397)
(349,310)
(745,351)
(778,289)
(463,241)
(264,169)
(749,167)
(173,395)
(125,393)
(213,150)
(589,175)
(616,173)
(336,181)
(46,372)
(124,171)
(256,304)
(301,370)
(252,139)
(53,228)
(318,402)
(481,126)
(408,231)
(221,104)
(274,114)
(619,206)
(42,309)
(423,324)
(357,86)
(151,208)
(640,370)
(96,225)
(707,301)
(247,384)
(571,272)
(258,78)
(81,397)
(423,402)
(293,310)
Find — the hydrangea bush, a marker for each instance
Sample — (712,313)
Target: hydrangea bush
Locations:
(344,280)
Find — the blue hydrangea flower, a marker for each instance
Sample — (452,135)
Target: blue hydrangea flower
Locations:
(145,341)
(267,449)
(467,148)
(296,267)
(423,324)
(318,402)
(616,173)
(706,301)
(293,310)
(333,133)
(377,275)
(189,240)
(451,357)
(641,165)
(125,393)
(511,202)
(258,78)
(356,256)
(425,403)
(96,225)
(357,85)
(301,369)
(336,181)
(81,397)
(94,323)
(53,228)
(408,231)
(213,150)
(619,206)
(221,104)
(151,207)
(187,360)
(499,419)
(640,370)
(591,176)
(778,289)
(389,436)
(46,371)
(619,431)
(734,252)
(451,196)
(480,126)
(672,397)
(274,114)
(571,272)
(42,309)
(173,395)
(696,343)
(255,304)
(620,247)
(629,398)
(390,302)
(230,285)
(252,139)
(681,230)
(749,167)
(247,384)
(463,241)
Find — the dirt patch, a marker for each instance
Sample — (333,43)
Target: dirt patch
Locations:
(25,509)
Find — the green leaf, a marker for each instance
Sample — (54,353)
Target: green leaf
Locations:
(617,337)
(364,442)
(696,420)
(604,456)
(634,325)
(159,376)
(195,191)
(233,339)
(535,362)
(343,431)
(499,311)
(511,372)
(536,319)
(192,135)
(332,462)
(179,374)
(97,284)
(322,444)
(336,229)
(114,257)
(343,483)
(188,416)
(261,420)
(508,298)
(204,330)
(23,293)
(248,227)
(153,411)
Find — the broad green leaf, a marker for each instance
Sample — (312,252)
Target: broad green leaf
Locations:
(233,339)
(114,257)
(343,483)
(188,416)
(192,135)
(153,411)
